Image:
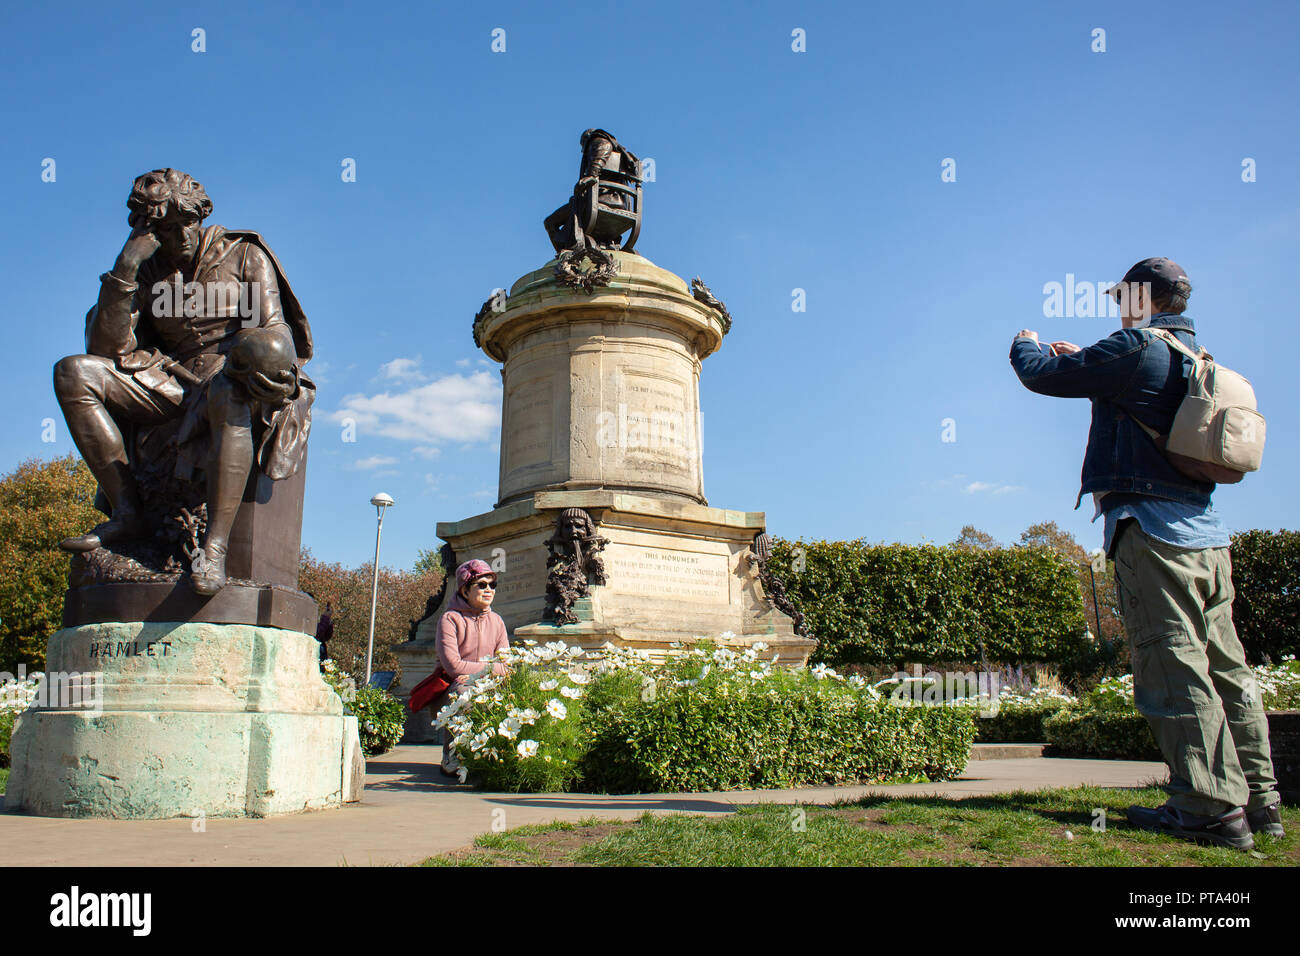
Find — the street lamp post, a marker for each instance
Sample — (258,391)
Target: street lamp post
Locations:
(380,501)
(1096,564)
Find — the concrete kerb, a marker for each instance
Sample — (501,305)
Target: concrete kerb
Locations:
(411,812)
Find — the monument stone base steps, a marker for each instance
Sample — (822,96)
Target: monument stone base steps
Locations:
(184,720)
(676,572)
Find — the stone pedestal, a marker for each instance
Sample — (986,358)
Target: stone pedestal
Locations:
(601,412)
(159,720)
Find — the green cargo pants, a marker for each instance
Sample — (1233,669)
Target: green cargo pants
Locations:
(1190,677)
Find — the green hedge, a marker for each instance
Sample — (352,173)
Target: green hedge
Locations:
(693,741)
(872,604)
(1016,724)
(1266,578)
(1110,734)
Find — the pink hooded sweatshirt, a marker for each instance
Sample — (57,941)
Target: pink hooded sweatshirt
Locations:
(468,640)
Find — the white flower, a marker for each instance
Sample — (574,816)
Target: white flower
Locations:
(727,635)
(570,692)
(549,684)
(527,748)
(759,646)
(821,672)
(556,709)
(509,728)
(574,651)
(529,716)
(579,678)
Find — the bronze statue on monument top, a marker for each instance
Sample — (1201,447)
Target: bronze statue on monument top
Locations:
(606,203)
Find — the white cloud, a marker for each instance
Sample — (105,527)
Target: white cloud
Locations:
(461,408)
(374,461)
(994,488)
(427,451)
(462,363)
(403,370)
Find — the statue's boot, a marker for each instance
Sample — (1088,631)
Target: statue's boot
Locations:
(229,464)
(123,526)
(211,575)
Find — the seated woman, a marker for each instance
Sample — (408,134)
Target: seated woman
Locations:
(469,635)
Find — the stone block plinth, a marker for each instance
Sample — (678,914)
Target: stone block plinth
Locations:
(160,720)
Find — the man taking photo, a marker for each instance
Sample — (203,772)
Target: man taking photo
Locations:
(1172,565)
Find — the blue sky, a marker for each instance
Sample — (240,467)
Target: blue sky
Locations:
(776,170)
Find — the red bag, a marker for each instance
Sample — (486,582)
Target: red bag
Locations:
(425,692)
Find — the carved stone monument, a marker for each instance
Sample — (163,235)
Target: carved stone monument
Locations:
(601,531)
(185,680)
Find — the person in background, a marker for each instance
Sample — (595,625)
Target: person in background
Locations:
(469,635)
(325,631)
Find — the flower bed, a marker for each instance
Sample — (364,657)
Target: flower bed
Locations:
(711,719)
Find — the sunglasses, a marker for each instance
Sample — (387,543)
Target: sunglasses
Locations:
(485,585)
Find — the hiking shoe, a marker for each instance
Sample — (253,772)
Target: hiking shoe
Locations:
(1228,829)
(1268,820)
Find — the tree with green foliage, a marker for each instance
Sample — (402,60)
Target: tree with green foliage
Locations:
(41,503)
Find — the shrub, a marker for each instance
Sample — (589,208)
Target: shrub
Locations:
(1017,723)
(7,718)
(1107,723)
(15,697)
(712,719)
(1111,734)
(893,603)
(1266,579)
(381,718)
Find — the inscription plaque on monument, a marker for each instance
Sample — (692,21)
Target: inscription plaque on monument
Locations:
(669,573)
(528,433)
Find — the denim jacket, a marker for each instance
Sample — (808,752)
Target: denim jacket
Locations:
(1131,373)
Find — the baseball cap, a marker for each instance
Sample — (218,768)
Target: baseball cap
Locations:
(1163,274)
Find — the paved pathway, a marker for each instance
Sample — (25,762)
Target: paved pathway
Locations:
(411,812)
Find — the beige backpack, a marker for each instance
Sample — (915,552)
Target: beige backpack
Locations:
(1218,433)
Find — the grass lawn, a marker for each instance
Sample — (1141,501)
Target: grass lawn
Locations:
(1017,829)
(4,778)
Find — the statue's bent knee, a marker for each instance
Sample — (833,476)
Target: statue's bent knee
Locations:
(74,375)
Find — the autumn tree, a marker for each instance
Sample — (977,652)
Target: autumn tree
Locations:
(973,537)
(402,598)
(41,503)
(1047,534)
